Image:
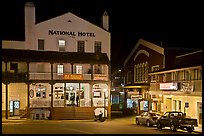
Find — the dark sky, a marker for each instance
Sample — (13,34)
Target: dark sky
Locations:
(176,24)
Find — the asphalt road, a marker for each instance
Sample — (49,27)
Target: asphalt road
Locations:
(124,125)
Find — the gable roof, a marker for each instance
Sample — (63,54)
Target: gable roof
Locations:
(71,14)
(193,59)
(147,44)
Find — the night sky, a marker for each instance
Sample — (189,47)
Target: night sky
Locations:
(176,24)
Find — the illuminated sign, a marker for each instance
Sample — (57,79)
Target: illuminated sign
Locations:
(71,33)
(136,97)
(168,86)
(99,77)
(73,76)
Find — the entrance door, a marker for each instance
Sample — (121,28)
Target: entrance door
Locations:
(168,104)
(14,107)
(70,98)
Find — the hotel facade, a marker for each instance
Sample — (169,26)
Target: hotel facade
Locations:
(60,71)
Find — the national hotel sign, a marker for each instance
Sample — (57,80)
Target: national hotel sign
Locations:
(73,76)
(71,33)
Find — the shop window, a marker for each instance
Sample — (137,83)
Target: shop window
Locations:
(97,94)
(40,91)
(115,99)
(174,105)
(179,108)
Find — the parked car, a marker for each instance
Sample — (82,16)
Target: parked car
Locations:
(176,120)
(147,118)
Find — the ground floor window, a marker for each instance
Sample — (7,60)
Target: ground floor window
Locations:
(199,111)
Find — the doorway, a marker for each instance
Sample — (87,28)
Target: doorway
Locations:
(14,107)
(70,96)
(168,104)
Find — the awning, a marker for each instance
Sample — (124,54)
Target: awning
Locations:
(136,86)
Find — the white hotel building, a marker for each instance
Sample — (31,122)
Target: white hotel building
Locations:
(60,58)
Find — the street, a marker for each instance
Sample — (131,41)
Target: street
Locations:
(124,125)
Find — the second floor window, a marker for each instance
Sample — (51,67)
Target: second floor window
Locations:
(129,76)
(78,69)
(14,67)
(80,46)
(61,45)
(97,47)
(60,69)
(154,78)
(40,68)
(98,69)
(40,44)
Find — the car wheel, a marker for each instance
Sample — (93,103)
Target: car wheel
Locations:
(159,125)
(173,127)
(189,129)
(148,123)
(137,122)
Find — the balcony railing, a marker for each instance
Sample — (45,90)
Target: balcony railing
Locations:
(67,76)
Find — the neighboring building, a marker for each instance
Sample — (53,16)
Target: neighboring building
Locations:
(144,58)
(60,58)
(179,87)
(117,93)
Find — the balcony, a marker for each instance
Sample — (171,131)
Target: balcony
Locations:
(14,77)
(67,76)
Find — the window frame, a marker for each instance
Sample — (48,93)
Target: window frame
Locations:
(81,46)
(41,44)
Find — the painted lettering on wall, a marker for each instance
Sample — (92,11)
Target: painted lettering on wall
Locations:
(71,33)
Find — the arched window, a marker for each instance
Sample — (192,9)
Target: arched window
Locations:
(135,73)
(146,71)
(142,72)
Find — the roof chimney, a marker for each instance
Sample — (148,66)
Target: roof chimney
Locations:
(105,21)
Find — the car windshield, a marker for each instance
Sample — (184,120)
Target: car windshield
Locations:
(154,114)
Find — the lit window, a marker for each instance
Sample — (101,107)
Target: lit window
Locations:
(60,69)
(154,78)
(61,45)
(41,91)
(78,69)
